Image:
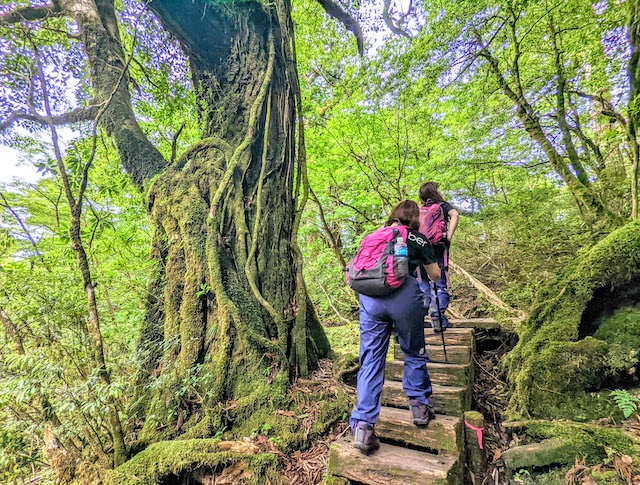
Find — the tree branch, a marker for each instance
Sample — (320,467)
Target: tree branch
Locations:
(174,142)
(86,113)
(608,109)
(30,14)
(5,204)
(333,242)
(12,331)
(109,80)
(589,143)
(388,19)
(561,88)
(334,10)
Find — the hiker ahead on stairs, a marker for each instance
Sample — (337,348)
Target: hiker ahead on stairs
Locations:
(438,221)
(382,270)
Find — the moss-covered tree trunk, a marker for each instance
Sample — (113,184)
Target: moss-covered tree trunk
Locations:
(234,318)
(229,321)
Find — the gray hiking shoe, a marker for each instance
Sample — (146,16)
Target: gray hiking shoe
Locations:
(365,438)
(421,414)
(435,324)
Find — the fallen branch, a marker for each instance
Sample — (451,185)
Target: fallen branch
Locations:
(489,295)
(455,313)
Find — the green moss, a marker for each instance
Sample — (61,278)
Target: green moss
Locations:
(345,364)
(344,339)
(581,406)
(329,480)
(286,428)
(211,424)
(623,327)
(550,365)
(607,477)
(548,452)
(585,440)
(168,458)
(331,412)
(333,462)
(558,375)
(556,476)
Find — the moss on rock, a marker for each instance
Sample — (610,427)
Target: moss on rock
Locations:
(165,459)
(623,327)
(588,441)
(553,364)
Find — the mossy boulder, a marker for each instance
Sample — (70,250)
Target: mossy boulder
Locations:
(166,459)
(567,350)
(581,440)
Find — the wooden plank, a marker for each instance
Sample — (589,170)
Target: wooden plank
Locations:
(448,400)
(456,354)
(441,374)
(452,336)
(487,323)
(443,434)
(390,465)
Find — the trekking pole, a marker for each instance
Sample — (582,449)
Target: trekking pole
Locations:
(444,347)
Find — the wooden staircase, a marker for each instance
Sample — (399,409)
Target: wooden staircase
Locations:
(410,454)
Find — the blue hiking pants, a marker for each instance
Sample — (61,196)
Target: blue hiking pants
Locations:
(429,299)
(378,316)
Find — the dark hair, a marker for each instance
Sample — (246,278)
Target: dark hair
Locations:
(406,213)
(429,193)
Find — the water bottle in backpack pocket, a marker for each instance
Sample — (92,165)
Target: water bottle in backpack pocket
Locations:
(382,262)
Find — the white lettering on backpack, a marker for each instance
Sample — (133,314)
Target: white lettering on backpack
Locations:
(417,239)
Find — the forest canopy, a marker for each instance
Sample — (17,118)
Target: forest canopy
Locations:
(206,169)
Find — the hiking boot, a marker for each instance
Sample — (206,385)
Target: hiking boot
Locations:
(365,438)
(436,325)
(421,414)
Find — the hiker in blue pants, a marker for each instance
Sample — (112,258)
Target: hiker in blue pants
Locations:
(439,226)
(402,310)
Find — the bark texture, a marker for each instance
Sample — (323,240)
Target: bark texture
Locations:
(235,306)
(634,111)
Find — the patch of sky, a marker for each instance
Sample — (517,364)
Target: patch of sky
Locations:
(600,7)
(11,168)
(561,215)
(616,47)
(28,154)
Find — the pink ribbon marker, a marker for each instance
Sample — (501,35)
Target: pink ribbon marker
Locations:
(477,430)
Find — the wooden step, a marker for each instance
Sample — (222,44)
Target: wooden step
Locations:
(486,323)
(441,374)
(443,434)
(390,465)
(450,400)
(456,354)
(452,336)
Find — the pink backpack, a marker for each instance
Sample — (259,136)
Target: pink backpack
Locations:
(433,224)
(374,271)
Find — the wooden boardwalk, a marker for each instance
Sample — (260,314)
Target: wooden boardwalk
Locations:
(410,454)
